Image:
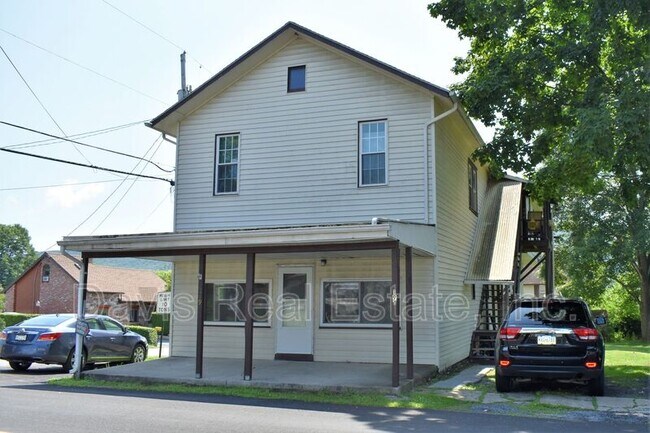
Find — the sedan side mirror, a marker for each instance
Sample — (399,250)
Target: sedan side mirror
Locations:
(126,329)
(600,321)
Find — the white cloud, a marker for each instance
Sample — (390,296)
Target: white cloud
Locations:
(70,195)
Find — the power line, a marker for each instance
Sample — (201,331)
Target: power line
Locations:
(63,161)
(39,100)
(154,210)
(72,62)
(18,188)
(157,34)
(83,144)
(130,186)
(86,134)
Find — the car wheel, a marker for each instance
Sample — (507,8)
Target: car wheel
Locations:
(597,386)
(139,353)
(19,366)
(69,363)
(503,383)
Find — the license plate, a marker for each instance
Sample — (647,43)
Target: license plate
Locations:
(546,340)
(21,337)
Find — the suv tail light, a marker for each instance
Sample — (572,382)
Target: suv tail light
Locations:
(586,334)
(3,335)
(509,333)
(49,336)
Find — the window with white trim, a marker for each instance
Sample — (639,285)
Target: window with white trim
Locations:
(373,142)
(224,302)
(227,164)
(363,303)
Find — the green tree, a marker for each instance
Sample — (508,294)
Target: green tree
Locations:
(166,276)
(2,300)
(566,87)
(16,252)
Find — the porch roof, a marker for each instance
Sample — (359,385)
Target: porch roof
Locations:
(376,235)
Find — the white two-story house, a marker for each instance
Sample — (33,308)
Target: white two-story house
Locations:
(320,196)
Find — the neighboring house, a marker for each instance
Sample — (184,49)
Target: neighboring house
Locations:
(333,183)
(533,286)
(49,286)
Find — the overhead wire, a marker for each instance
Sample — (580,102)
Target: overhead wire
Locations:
(19,188)
(95,167)
(39,100)
(167,195)
(130,186)
(50,141)
(112,193)
(72,62)
(116,152)
(140,23)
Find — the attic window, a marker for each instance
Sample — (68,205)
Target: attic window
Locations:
(296,79)
(46,273)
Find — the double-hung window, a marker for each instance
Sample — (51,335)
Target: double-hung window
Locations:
(361,303)
(227,164)
(373,143)
(224,302)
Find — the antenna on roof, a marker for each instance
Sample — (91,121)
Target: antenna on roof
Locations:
(185,90)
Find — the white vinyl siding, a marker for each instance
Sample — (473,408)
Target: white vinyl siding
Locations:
(299,164)
(455,229)
(330,344)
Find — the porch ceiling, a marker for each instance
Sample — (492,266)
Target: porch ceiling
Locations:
(331,239)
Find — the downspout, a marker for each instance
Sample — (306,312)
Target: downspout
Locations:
(425,137)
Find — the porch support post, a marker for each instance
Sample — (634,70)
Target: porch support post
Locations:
(395,256)
(248,316)
(200,310)
(409,312)
(82,289)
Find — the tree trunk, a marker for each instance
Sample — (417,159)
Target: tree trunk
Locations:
(644,274)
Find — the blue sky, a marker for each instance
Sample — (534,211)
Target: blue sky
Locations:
(95,35)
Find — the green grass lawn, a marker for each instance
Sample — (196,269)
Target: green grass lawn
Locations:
(627,364)
(413,400)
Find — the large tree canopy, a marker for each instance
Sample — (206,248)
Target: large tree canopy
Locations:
(567,88)
(16,253)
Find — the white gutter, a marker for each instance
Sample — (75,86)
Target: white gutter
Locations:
(425,137)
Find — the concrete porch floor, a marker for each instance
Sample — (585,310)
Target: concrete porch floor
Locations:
(287,375)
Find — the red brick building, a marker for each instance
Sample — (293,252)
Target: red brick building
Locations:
(50,286)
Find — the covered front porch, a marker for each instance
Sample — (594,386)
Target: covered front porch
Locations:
(272,374)
(246,257)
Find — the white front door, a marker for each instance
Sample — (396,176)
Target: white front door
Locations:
(295,330)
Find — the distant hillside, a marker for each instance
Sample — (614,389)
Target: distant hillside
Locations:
(134,263)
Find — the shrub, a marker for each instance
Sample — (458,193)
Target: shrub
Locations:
(623,314)
(149,333)
(160,320)
(3,325)
(11,319)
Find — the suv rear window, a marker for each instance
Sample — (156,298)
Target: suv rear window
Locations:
(545,313)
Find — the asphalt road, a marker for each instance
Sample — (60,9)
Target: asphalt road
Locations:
(28,404)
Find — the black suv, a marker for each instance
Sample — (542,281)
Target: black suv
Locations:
(550,339)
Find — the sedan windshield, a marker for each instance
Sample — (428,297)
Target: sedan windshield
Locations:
(45,321)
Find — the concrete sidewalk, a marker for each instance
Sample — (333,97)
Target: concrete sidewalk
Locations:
(455,387)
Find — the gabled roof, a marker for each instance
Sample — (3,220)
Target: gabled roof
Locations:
(133,284)
(166,121)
